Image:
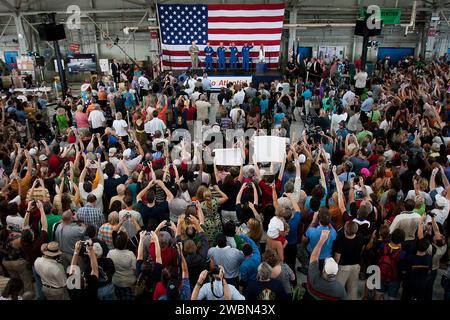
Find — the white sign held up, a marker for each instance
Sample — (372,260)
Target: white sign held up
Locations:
(228,157)
(270,149)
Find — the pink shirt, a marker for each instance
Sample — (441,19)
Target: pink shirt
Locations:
(82,120)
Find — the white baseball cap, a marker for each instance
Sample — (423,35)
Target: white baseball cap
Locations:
(33,152)
(331,268)
(127,153)
(301,158)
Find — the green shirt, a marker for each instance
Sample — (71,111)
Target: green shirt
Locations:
(374,116)
(362,135)
(52,219)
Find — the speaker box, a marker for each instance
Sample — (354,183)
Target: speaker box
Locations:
(40,61)
(359,27)
(51,32)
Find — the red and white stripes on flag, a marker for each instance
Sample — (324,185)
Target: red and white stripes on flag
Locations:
(227,23)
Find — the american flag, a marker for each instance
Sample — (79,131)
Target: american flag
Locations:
(180,24)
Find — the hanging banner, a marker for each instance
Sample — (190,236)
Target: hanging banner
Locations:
(388,16)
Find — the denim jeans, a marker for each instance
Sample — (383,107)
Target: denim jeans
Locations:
(38,285)
(106,293)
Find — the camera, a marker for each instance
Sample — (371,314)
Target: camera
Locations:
(127,216)
(83,249)
(214,271)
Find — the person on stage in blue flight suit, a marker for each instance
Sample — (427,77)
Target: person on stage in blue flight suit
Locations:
(208,57)
(221,55)
(246,56)
(233,56)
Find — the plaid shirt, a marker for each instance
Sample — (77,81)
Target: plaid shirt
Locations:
(91,216)
(105,233)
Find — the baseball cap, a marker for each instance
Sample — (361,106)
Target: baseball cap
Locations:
(112,152)
(33,152)
(331,267)
(42,157)
(365,172)
(127,153)
(301,158)
(98,250)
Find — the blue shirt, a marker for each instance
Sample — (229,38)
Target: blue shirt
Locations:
(278,117)
(246,51)
(209,51)
(366,106)
(233,51)
(221,52)
(313,234)
(249,267)
(292,236)
(264,105)
(307,94)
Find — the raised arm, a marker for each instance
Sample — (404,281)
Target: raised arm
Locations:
(43,216)
(316,252)
(144,191)
(169,195)
(155,240)
(223,196)
(184,266)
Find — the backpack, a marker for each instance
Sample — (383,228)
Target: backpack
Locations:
(388,264)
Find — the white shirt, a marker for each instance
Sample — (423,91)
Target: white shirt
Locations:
(336,119)
(275,226)
(154,125)
(120,126)
(412,194)
(143,82)
(361,79)
(96,118)
(14,222)
(130,163)
(98,192)
(348,97)
(51,272)
(234,114)
(240,96)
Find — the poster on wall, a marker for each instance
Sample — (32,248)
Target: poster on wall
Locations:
(73,49)
(104,65)
(11,59)
(25,63)
(329,52)
(82,63)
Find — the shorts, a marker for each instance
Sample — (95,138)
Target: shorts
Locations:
(390,289)
(280,238)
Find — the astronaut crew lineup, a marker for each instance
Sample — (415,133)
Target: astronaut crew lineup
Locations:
(221,49)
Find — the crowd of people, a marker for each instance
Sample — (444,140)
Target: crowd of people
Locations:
(111,198)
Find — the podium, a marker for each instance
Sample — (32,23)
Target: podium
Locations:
(261,67)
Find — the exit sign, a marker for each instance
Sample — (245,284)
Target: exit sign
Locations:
(389,16)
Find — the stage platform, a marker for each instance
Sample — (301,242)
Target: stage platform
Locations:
(221,79)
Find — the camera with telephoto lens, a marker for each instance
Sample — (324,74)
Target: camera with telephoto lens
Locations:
(83,248)
(214,271)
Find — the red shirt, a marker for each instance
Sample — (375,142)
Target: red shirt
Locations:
(191,114)
(267,192)
(160,291)
(168,255)
(53,164)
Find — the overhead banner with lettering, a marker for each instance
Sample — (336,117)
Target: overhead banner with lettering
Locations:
(388,16)
(219,81)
